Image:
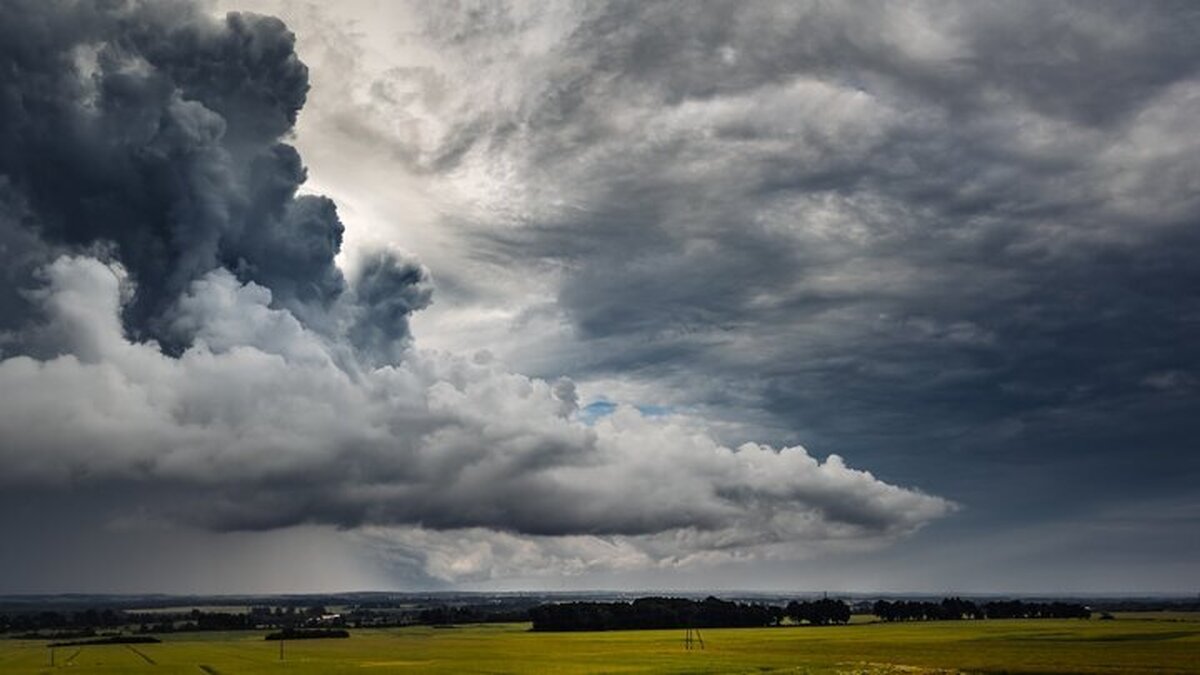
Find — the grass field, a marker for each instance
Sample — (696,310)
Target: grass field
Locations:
(1127,645)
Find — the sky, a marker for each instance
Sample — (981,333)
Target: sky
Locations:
(781,296)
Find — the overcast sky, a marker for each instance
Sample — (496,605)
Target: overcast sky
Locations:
(750,295)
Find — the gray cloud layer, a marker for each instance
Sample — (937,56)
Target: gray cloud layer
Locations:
(957,237)
(953,241)
(178,321)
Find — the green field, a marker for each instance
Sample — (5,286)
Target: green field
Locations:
(1127,645)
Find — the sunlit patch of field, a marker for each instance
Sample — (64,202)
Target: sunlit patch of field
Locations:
(1125,645)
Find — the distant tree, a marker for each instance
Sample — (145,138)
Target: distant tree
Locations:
(819,612)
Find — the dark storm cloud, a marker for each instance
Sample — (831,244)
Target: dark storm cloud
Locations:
(22,253)
(388,289)
(958,238)
(158,129)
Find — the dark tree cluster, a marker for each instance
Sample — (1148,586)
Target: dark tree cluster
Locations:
(819,612)
(1016,609)
(949,609)
(446,615)
(954,609)
(647,613)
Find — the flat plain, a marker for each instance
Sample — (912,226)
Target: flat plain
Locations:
(1133,645)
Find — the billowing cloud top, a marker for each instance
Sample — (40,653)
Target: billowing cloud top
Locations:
(175,317)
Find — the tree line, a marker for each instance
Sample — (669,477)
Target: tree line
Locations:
(954,609)
(650,612)
(657,612)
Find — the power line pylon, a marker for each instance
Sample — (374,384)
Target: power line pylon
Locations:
(692,639)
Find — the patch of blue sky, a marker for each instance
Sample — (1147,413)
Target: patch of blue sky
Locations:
(596,410)
(602,408)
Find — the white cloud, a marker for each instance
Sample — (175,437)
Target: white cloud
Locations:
(476,471)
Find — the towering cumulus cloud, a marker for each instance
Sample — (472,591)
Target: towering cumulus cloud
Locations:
(155,132)
(174,317)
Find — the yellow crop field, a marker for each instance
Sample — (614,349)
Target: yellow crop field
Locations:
(1132,645)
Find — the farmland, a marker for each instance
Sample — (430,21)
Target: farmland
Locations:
(1130,644)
